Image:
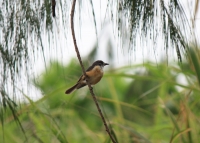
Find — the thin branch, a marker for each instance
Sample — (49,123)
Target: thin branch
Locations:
(83,69)
(53,3)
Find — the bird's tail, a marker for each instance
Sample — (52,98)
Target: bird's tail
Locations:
(68,91)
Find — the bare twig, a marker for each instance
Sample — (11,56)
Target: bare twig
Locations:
(83,69)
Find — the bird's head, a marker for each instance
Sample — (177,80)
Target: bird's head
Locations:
(100,63)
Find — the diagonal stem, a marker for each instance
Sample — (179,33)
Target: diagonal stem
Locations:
(83,69)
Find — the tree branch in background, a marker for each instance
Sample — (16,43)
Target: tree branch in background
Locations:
(83,69)
(53,3)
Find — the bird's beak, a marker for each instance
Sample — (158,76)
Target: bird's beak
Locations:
(106,64)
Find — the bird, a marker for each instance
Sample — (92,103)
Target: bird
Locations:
(93,74)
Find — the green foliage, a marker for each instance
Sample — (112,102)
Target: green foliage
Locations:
(131,104)
(141,103)
(149,20)
(28,28)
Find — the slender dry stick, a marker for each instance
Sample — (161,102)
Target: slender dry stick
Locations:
(83,69)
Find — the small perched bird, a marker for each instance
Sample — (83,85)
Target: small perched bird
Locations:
(94,74)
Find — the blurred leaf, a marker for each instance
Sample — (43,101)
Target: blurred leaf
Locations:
(195,61)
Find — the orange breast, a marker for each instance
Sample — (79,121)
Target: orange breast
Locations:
(95,75)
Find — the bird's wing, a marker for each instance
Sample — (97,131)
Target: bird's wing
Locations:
(83,76)
(90,68)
